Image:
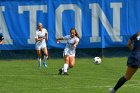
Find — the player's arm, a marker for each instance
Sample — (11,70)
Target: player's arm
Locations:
(57,39)
(62,38)
(130,41)
(38,39)
(46,36)
(76,43)
(129,44)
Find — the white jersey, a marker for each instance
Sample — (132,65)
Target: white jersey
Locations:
(69,49)
(41,44)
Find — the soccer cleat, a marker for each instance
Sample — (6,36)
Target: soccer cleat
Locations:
(60,71)
(65,73)
(111,90)
(45,65)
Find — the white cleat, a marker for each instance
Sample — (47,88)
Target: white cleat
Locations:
(45,65)
(111,90)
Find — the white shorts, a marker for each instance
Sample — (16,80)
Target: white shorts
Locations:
(40,46)
(68,52)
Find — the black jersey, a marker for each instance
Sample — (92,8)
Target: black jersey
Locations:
(1,37)
(136,42)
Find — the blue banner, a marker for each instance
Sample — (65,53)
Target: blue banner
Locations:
(100,23)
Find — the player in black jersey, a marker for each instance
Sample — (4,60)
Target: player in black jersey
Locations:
(133,61)
(1,38)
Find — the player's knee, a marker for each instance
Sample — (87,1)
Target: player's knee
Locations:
(66,61)
(39,56)
(71,65)
(46,53)
(45,57)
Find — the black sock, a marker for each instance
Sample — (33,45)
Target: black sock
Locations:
(121,81)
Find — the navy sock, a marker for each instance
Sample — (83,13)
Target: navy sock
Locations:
(120,82)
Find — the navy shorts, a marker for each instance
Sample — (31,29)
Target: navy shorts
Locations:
(134,60)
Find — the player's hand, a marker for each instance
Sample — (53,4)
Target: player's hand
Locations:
(74,46)
(40,38)
(45,38)
(57,41)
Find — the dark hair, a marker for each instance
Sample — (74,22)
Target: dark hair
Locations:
(77,35)
(1,37)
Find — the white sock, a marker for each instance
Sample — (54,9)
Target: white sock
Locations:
(66,67)
(45,58)
(39,61)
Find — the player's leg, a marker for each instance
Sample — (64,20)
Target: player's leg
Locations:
(72,61)
(66,64)
(45,56)
(39,57)
(129,73)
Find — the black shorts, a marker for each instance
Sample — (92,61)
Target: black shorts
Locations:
(134,60)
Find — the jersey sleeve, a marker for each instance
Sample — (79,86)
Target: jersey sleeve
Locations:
(133,37)
(77,39)
(45,31)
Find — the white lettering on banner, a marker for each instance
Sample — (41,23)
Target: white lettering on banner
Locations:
(32,15)
(78,18)
(4,28)
(114,32)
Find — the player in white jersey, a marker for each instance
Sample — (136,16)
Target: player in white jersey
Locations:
(69,51)
(41,37)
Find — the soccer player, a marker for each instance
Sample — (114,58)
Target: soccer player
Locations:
(41,37)
(1,38)
(133,61)
(69,51)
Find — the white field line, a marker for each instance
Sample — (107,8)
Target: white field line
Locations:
(84,87)
(136,84)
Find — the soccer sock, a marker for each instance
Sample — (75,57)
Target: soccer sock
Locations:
(120,82)
(66,67)
(39,62)
(45,58)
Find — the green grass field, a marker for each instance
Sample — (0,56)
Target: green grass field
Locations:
(24,76)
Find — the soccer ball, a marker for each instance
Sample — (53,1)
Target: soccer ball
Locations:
(97,60)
